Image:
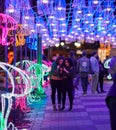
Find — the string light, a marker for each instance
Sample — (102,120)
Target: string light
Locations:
(106,65)
(9,96)
(10,24)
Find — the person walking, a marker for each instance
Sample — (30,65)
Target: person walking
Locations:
(101,77)
(56,81)
(68,73)
(75,77)
(84,67)
(95,71)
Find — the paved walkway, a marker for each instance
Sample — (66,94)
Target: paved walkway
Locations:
(89,113)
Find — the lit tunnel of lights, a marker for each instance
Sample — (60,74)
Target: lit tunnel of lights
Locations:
(59,20)
(69,21)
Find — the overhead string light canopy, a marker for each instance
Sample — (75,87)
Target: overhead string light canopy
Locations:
(22,12)
(80,20)
(61,20)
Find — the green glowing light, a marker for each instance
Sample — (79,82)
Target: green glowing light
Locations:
(1,122)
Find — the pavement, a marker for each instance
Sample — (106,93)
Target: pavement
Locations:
(89,113)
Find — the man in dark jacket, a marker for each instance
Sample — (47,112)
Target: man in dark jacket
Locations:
(83,68)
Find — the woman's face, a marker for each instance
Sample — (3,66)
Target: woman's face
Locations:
(61,61)
(66,63)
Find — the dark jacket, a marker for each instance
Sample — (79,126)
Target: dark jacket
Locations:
(70,73)
(55,71)
(83,74)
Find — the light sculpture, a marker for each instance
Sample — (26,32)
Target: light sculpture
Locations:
(1,122)
(6,23)
(106,65)
(10,57)
(27,88)
(32,42)
(33,70)
(21,32)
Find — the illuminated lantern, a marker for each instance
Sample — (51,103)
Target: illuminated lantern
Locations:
(6,23)
(10,57)
(21,32)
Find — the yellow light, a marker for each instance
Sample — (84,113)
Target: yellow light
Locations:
(77,44)
(57,44)
(21,32)
(62,43)
(79,52)
(11,9)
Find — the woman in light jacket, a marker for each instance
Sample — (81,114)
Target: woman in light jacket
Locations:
(56,81)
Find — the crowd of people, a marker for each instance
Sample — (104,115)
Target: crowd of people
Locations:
(67,72)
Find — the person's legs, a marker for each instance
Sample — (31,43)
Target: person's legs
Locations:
(70,93)
(70,98)
(84,82)
(63,100)
(59,92)
(97,89)
(94,82)
(101,84)
(64,94)
(53,93)
(76,82)
(112,110)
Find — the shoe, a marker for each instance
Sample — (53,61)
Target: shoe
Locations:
(62,108)
(94,92)
(54,108)
(70,109)
(59,107)
(98,91)
(84,93)
(103,91)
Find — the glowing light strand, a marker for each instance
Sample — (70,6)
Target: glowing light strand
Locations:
(6,23)
(9,95)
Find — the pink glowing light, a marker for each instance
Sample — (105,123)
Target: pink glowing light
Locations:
(6,23)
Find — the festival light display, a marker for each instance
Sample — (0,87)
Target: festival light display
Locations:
(80,20)
(20,33)
(10,57)
(35,71)
(1,122)
(106,65)
(6,23)
(91,21)
(104,51)
(15,93)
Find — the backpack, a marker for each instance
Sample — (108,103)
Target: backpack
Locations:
(84,65)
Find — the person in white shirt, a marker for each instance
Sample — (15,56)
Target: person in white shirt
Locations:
(95,71)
